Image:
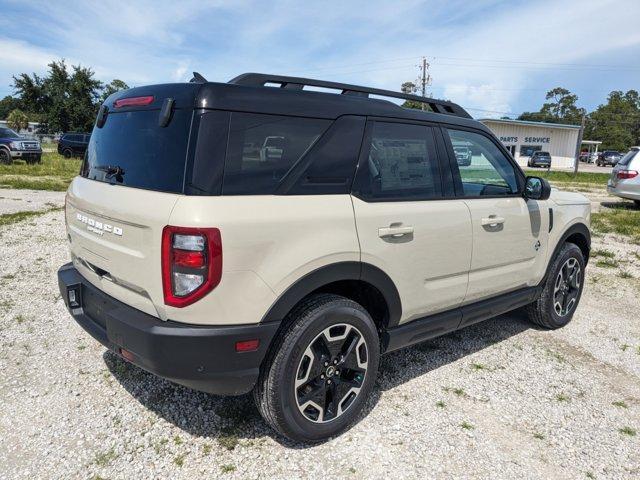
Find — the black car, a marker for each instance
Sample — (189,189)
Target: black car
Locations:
(608,157)
(540,159)
(73,144)
(13,146)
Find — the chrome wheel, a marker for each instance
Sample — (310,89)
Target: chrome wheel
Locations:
(567,287)
(331,373)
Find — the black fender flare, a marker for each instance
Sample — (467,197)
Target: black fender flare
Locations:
(577,228)
(333,273)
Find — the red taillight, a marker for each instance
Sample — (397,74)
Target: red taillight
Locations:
(133,101)
(624,174)
(247,346)
(184,258)
(191,263)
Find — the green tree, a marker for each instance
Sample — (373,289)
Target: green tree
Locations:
(112,87)
(560,107)
(617,122)
(18,120)
(63,100)
(410,88)
(8,104)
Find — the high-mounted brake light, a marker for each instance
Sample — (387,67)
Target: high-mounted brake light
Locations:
(133,101)
(191,263)
(626,174)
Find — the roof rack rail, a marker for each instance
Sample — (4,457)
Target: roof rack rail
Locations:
(298,83)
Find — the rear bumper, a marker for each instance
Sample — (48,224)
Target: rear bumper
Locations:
(630,192)
(202,358)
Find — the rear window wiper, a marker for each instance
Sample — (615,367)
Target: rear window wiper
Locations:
(111,171)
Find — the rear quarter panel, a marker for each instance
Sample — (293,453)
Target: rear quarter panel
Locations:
(268,243)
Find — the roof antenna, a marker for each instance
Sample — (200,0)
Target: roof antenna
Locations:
(197,78)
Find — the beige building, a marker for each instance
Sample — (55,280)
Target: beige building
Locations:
(522,138)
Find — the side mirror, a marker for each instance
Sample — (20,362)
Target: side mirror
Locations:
(537,188)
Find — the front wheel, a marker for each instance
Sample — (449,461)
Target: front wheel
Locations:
(561,291)
(67,153)
(319,375)
(5,157)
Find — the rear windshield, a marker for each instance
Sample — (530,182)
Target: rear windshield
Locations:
(626,160)
(132,150)
(542,154)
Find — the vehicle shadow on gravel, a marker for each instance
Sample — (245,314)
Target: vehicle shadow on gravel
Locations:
(231,419)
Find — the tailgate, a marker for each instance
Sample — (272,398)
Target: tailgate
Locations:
(115,234)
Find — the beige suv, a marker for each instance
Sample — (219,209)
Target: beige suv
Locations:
(201,259)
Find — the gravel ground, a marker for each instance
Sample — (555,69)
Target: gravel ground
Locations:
(12,201)
(496,400)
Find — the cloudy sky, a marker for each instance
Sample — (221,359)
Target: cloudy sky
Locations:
(491,56)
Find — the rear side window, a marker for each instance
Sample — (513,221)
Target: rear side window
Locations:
(398,163)
(132,150)
(262,148)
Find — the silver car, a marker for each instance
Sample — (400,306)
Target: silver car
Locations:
(625,177)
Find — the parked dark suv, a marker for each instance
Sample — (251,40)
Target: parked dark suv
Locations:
(73,144)
(540,159)
(608,157)
(13,146)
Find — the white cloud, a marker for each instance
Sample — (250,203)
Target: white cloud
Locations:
(151,42)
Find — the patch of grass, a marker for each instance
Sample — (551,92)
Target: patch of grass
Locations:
(624,347)
(624,274)
(20,318)
(105,458)
(556,355)
(159,446)
(228,439)
(179,459)
(568,177)
(607,263)
(466,426)
(602,253)
(620,220)
(620,403)
(228,468)
(9,218)
(352,470)
(54,173)
(177,440)
(538,436)
(478,366)
(440,404)
(457,391)
(589,475)
(206,448)
(562,398)
(628,431)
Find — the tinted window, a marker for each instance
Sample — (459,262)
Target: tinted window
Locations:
(151,157)
(489,172)
(262,148)
(399,164)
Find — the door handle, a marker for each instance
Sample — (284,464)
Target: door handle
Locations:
(492,221)
(395,232)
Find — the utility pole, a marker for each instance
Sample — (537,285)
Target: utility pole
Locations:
(425,78)
(579,145)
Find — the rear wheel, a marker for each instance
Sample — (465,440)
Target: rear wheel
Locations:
(5,157)
(319,375)
(67,153)
(637,203)
(562,290)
